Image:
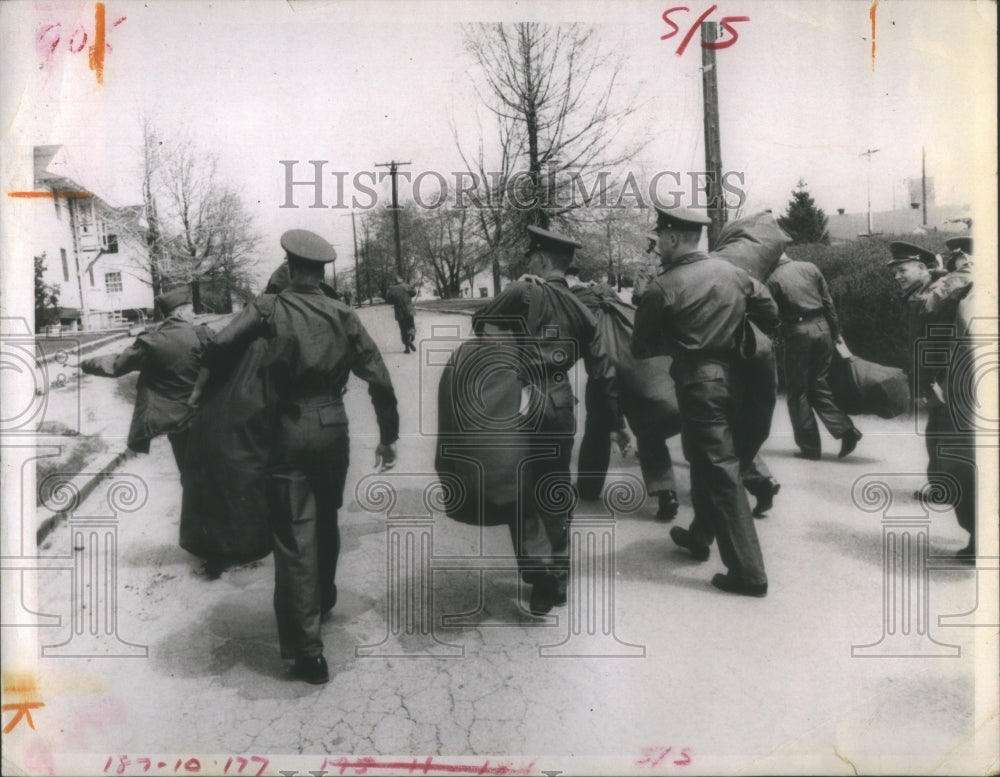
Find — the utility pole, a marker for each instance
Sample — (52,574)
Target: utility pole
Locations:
(393,167)
(713,142)
(357,273)
(868,154)
(923,181)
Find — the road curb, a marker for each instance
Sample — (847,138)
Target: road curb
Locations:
(81,486)
(93,345)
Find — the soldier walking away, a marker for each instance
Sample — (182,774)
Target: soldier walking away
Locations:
(315,343)
(550,314)
(599,431)
(167,358)
(401,296)
(931,302)
(695,312)
(810,326)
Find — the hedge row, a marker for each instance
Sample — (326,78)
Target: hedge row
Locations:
(866,296)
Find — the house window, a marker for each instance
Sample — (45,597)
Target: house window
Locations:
(112,245)
(90,272)
(55,199)
(65,264)
(113,282)
(483,291)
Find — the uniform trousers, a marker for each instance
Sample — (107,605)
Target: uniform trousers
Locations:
(808,355)
(407,329)
(539,522)
(951,453)
(710,395)
(178,444)
(595,447)
(305,488)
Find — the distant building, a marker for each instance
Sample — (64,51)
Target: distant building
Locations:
(951,219)
(94,252)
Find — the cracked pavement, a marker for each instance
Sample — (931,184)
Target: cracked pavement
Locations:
(736,683)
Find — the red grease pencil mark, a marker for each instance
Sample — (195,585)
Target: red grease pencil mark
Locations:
(97,50)
(21,710)
(871,15)
(362,765)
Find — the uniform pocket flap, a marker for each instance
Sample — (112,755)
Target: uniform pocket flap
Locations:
(330,415)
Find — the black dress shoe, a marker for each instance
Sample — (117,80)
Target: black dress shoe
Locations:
(683,538)
(312,669)
(668,508)
(214,567)
(765,498)
(849,442)
(733,586)
(543,596)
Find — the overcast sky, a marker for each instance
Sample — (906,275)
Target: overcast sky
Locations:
(360,83)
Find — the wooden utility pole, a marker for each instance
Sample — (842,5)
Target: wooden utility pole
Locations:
(357,272)
(393,168)
(923,181)
(868,154)
(713,142)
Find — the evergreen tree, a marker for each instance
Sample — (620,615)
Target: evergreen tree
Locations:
(804,222)
(46,297)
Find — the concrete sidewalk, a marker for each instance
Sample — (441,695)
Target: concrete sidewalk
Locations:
(665,675)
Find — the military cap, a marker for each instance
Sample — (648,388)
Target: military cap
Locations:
(681,219)
(545,240)
(308,246)
(907,252)
(963,244)
(173,298)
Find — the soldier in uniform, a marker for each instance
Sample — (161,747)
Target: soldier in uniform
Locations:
(316,342)
(695,312)
(810,326)
(599,432)
(551,314)
(167,358)
(401,296)
(930,299)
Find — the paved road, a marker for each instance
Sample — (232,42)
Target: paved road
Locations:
(726,682)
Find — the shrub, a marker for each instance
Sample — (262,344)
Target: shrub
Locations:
(867,299)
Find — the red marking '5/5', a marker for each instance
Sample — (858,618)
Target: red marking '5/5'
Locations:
(725,23)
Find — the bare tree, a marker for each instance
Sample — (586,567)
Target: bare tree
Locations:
(556,94)
(451,252)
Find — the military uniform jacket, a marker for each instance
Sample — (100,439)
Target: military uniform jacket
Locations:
(697,306)
(168,358)
(549,313)
(800,291)
(935,302)
(401,296)
(317,342)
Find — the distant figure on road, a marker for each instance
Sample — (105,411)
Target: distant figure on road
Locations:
(167,358)
(810,325)
(401,296)
(948,393)
(539,528)
(316,342)
(695,312)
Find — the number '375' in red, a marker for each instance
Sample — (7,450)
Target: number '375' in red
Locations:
(725,23)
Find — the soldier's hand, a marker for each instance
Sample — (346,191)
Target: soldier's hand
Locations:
(622,439)
(385,457)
